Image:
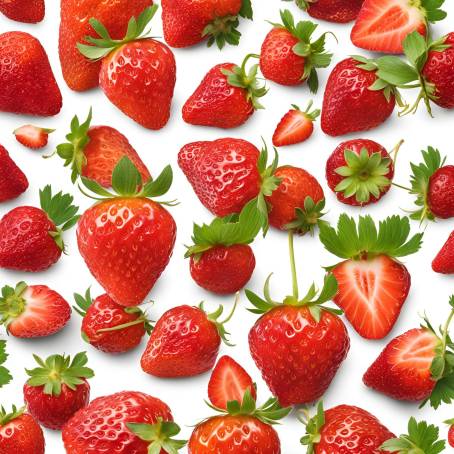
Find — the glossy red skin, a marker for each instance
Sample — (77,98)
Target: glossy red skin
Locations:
(339,11)
(217,103)
(337,160)
(92,431)
(22,435)
(296,184)
(223,269)
(54,411)
(79,73)
(451,436)
(440,196)
(285,340)
(28,11)
(25,243)
(139,79)
(27,83)
(105,313)
(183,343)
(13,181)
(223,173)
(278,62)
(349,105)
(349,430)
(185,20)
(284,136)
(235,435)
(126,244)
(444,261)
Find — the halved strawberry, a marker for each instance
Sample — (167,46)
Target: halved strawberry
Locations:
(229,382)
(32,137)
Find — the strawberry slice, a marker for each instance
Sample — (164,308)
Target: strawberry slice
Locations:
(229,382)
(32,137)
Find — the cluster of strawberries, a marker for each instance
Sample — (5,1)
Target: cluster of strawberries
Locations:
(127,237)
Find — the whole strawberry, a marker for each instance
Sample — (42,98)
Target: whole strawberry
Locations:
(143,424)
(32,137)
(145,95)
(289,57)
(444,261)
(227,96)
(32,238)
(28,83)
(57,389)
(450,422)
(13,181)
(339,11)
(126,239)
(28,11)
(108,326)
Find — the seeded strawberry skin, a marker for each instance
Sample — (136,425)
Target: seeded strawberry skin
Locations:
(338,11)
(13,181)
(444,261)
(22,435)
(440,195)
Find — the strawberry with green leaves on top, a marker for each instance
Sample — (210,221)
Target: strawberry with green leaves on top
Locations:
(444,260)
(338,11)
(450,422)
(32,137)
(13,181)
(5,375)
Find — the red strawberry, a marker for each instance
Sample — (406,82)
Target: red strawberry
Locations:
(31,239)
(94,151)
(145,95)
(32,136)
(360,171)
(28,84)
(289,57)
(227,173)
(450,432)
(108,326)
(187,23)
(142,424)
(185,342)
(29,11)
(227,96)
(57,389)
(79,73)
(20,433)
(13,181)
(127,239)
(340,11)
(373,285)
(444,261)
(33,310)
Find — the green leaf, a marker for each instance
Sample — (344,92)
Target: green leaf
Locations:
(246,9)
(415,48)
(126,178)
(395,71)
(5,375)
(159,186)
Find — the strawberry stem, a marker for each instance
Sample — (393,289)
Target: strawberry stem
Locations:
(140,320)
(293,264)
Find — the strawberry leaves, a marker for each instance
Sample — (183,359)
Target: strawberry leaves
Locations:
(6,418)
(12,303)
(5,375)
(314,426)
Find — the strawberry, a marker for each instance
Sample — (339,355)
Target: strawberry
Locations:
(185,342)
(94,151)
(444,261)
(145,95)
(373,284)
(28,83)
(339,11)
(33,310)
(57,389)
(20,433)
(450,422)
(227,173)
(143,424)
(289,57)
(126,239)
(32,238)
(28,11)
(108,326)
(32,136)
(13,181)
(187,23)
(382,25)
(344,429)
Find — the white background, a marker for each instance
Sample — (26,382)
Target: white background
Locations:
(429,290)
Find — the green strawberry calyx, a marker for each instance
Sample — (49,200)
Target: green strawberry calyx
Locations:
(308,217)
(5,375)
(309,113)
(59,370)
(303,4)
(12,303)
(6,418)
(314,426)
(160,435)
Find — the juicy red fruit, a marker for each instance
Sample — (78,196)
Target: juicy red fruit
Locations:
(440,196)
(339,11)
(13,181)
(444,261)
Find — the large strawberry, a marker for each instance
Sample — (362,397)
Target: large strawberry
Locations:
(444,261)
(373,284)
(126,239)
(339,11)
(94,151)
(143,424)
(13,181)
(28,83)
(31,239)
(28,11)
(33,310)
(138,73)
(187,23)
(289,56)
(57,389)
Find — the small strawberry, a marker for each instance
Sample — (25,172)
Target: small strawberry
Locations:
(373,284)
(108,326)
(143,424)
(289,57)
(187,23)
(126,239)
(450,422)
(28,83)
(13,181)
(145,95)
(185,342)
(32,136)
(444,261)
(94,151)
(57,389)
(20,433)
(28,11)
(339,11)
(31,239)
(33,310)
